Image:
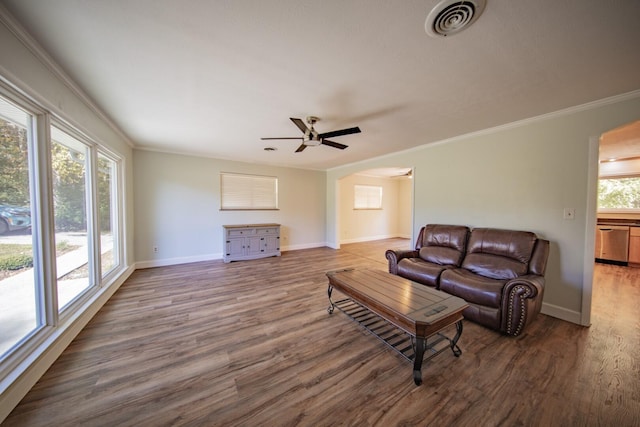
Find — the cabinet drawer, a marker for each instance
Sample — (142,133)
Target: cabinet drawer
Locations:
(270,230)
(238,232)
(634,231)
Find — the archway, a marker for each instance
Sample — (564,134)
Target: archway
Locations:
(392,218)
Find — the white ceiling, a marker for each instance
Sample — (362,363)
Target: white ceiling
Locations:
(212,77)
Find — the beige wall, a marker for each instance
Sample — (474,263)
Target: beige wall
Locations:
(178,207)
(393,220)
(520,176)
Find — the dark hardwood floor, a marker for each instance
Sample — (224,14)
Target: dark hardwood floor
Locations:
(251,344)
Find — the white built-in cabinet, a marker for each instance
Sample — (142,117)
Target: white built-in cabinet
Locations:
(250,241)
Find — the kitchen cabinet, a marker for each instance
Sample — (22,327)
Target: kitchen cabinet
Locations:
(634,246)
(250,241)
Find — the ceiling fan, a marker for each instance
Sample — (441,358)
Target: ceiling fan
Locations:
(312,138)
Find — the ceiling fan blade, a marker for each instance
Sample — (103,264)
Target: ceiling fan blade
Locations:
(284,137)
(301,148)
(339,132)
(334,144)
(300,124)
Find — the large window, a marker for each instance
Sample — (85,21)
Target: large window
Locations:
(621,194)
(248,192)
(71,213)
(60,231)
(107,213)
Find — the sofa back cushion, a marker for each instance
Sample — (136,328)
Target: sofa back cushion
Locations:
(499,254)
(444,244)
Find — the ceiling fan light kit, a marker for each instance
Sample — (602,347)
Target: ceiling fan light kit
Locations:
(452,16)
(312,138)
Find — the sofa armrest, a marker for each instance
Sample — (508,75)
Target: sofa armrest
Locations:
(394,258)
(521,302)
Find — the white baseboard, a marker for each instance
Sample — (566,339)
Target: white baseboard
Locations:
(370,238)
(305,246)
(561,313)
(211,257)
(176,261)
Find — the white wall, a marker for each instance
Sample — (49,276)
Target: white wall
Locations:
(177,207)
(521,177)
(393,220)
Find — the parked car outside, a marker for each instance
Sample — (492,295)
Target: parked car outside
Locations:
(14,218)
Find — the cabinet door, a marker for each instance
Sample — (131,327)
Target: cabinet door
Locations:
(634,249)
(235,246)
(271,244)
(253,245)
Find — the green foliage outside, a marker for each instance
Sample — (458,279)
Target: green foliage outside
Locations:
(619,193)
(68,188)
(14,176)
(68,180)
(16,257)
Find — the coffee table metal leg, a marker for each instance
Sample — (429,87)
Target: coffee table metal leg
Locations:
(454,342)
(417,361)
(331,305)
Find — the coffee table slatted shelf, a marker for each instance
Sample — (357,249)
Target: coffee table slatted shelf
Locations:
(394,337)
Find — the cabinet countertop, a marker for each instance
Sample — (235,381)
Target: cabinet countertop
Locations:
(628,222)
(250,225)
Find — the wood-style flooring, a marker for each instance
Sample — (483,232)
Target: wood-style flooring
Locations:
(251,344)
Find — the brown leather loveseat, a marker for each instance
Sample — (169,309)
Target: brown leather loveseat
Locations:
(499,273)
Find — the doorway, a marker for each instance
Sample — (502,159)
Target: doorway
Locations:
(375,204)
(616,206)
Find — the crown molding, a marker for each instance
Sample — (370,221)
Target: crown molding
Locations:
(547,116)
(41,54)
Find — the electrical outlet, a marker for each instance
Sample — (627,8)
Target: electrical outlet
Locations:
(569,213)
(155,249)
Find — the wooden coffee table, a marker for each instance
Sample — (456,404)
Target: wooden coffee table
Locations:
(383,303)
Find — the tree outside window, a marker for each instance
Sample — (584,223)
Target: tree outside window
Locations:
(619,193)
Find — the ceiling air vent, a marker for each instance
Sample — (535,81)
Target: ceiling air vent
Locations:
(452,16)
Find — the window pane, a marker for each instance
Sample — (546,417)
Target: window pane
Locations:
(18,292)
(367,197)
(619,193)
(68,159)
(248,192)
(107,213)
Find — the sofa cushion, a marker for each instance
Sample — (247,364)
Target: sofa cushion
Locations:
(499,254)
(420,271)
(472,287)
(444,244)
(441,255)
(494,267)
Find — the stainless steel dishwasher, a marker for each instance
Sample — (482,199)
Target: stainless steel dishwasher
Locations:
(612,243)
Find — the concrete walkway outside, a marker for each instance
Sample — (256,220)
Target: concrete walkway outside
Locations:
(18,296)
